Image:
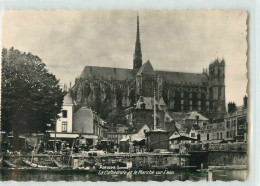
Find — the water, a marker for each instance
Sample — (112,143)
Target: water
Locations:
(32,175)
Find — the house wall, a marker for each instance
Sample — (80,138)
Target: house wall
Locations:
(83,121)
(69,118)
(141,134)
(192,131)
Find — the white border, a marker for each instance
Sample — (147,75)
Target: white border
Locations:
(252,6)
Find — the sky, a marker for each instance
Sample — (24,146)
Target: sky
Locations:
(173,40)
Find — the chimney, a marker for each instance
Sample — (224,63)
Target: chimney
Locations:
(245,102)
(231,107)
(197,119)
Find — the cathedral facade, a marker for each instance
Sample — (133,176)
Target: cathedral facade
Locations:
(174,91)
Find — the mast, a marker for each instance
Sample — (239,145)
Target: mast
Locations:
(154,111)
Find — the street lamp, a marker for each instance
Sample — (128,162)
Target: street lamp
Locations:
(55,121)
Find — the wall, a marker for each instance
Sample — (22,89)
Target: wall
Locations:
(83,121)
(158,141)
(227,158)
(151,161)
(69,119)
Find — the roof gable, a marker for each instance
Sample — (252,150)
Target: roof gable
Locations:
(67,99)
(146,69)
(148,102)
(194,114)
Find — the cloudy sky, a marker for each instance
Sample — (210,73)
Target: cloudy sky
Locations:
(180,40)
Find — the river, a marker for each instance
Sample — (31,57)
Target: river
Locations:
(32,175)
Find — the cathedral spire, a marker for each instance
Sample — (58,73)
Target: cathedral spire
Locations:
(138,52)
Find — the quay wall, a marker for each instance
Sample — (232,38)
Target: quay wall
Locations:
(227,158)
(217,158)
(137,160)
(153,160)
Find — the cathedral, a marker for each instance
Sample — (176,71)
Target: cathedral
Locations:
(174,91)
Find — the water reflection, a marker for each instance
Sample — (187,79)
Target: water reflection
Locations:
(30,175)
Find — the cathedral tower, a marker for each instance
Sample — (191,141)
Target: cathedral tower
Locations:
(138,53)
(217,88)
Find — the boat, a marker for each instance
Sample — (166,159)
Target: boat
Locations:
(34,165)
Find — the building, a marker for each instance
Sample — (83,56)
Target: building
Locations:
(185,124)
(177,144)
(157,139)
(182,118)
(83,122)
(236,125)
(143,112)
(116,133)
(212,132)
(134,139)
(179,92)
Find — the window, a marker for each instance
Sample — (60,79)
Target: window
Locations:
(186,100)
(143,106)
(228,124)
(221,135)
(227,134)
(192,134)
(64,113)
(194,101)
(64,126)
(203,101)
(177,100)
(207,136)
(217,135)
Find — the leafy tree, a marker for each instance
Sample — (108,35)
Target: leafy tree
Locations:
(31,96)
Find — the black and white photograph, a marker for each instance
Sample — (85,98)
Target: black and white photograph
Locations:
(124,95)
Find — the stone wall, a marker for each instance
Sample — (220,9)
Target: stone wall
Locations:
(227,158)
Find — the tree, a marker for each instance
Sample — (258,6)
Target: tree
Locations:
(31,96)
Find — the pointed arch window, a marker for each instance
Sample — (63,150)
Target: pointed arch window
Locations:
(194,101)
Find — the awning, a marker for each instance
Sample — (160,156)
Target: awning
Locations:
(71,135)
(183,138)
(212,141)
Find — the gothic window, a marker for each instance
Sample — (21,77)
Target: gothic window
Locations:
(219,92)
(177,100)
(132,97)
(194,101)
(228,124)
(210,93)
(203,101)
(211,98)
(186,100)
(219,73)
(118,97)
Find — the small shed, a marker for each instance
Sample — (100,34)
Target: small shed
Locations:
(157,139)
(124,144)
